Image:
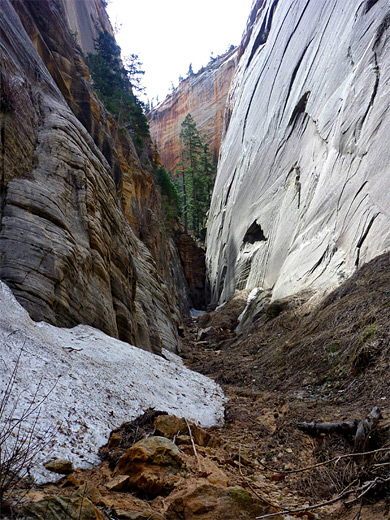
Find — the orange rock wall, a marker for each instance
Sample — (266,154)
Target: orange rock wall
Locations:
(203,96)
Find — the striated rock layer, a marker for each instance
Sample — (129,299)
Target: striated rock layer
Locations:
(75,196)
(202,95)
(301,195)
(86,19)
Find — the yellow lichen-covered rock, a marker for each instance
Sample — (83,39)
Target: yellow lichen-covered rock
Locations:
(208,502)
(61,466)
(170,426)
(56,507)
(153,465)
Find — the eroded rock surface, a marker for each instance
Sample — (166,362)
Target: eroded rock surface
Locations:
(202,95)
(152,465)
(301,195)
(75,196)
(52,508)
(208,502)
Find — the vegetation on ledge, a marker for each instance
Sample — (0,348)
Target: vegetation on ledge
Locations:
(115,84)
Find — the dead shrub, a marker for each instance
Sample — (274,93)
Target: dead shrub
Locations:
(20,442)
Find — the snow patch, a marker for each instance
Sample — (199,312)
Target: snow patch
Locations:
(99,383)
(251,296)
(195,313)
(220,306)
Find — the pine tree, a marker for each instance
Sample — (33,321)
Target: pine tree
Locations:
(115,84)
(197,177)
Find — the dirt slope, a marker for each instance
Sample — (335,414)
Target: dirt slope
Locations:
(303,359)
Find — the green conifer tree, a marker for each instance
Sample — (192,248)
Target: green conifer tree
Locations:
(196,179)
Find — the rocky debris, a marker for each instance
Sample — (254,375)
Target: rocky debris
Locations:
(208,502)
(153,466)
(117,483)
(299,200)
(85,384)
(124,437)
(336,341)
(225,316)
(259,447)
(145,514)
(61,466)
(171,427)
(203,333)
(204,96)
(55,507)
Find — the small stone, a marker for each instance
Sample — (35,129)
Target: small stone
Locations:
(72,481)
(277,477)
(153,466)
(61,466)
(183,439)
(203,333)
(114,441)
(117,483)
(90,491)
(147,514)
(169,425)
(210,503)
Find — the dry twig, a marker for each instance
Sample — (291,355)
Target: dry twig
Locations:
(193,444)
(329,461)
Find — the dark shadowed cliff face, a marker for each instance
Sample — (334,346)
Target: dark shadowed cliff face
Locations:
(301,195)
(72,203)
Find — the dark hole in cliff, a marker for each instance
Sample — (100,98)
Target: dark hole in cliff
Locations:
(254,234)
(85,114)
(381,31)
(369,4)
(300,108)
(264,30)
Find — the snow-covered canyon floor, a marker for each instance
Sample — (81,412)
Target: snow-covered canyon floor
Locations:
(90,383)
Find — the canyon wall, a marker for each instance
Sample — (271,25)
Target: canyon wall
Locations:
(81,239)
(301,195)
(203,95)
(86,19)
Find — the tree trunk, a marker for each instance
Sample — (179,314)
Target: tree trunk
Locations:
(360,428)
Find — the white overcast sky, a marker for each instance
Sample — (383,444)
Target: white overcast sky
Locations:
(168,35)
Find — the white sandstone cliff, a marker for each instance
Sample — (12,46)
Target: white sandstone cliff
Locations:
(302,191)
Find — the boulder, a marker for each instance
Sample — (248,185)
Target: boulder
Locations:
(61,466)
(208,502)
(56,507)
(153,466)
(170,426)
